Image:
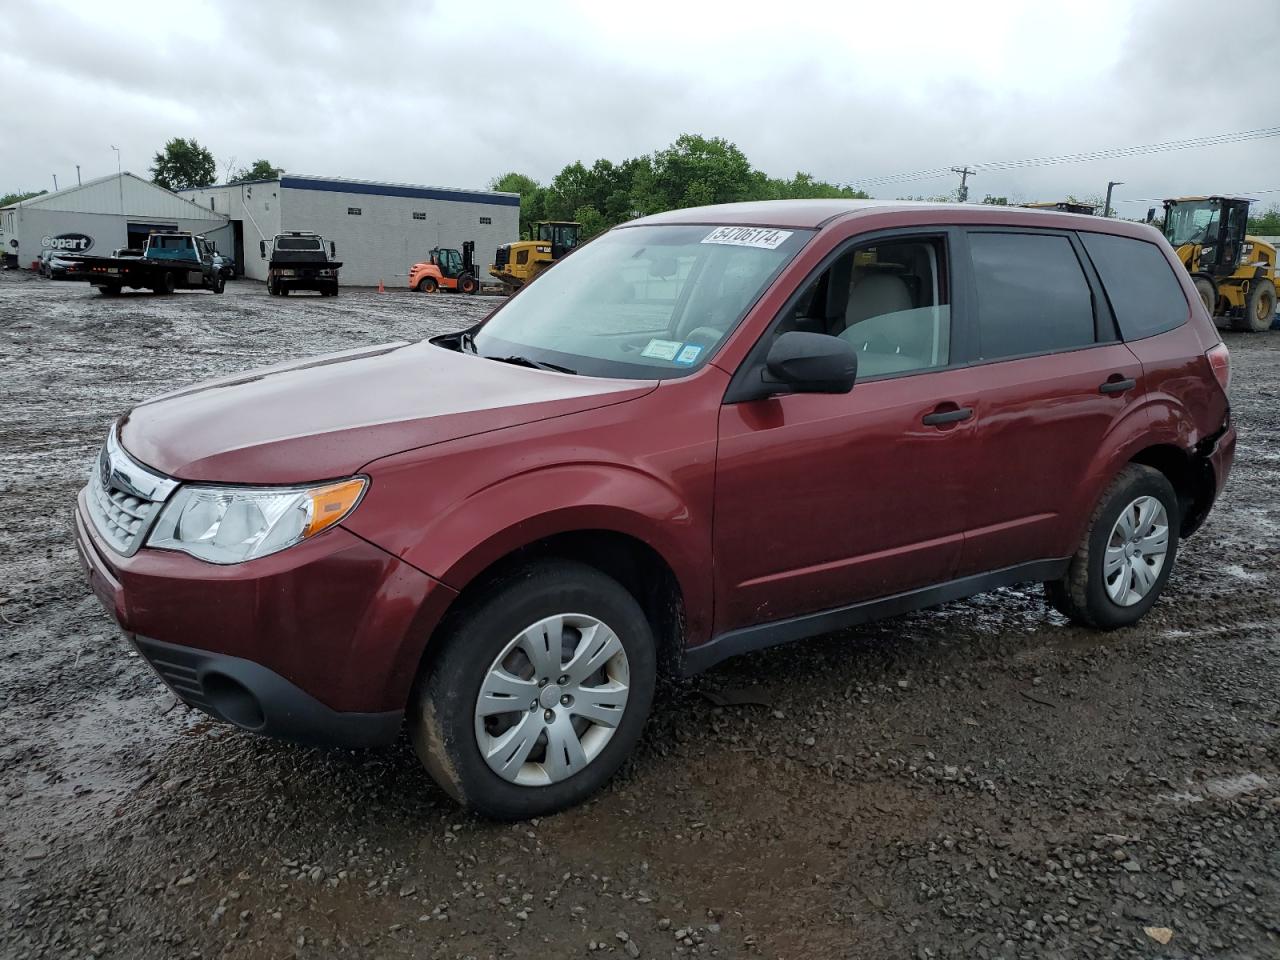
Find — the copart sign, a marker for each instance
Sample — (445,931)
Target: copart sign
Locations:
(68,242)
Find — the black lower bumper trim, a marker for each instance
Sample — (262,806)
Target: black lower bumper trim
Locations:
(254,698)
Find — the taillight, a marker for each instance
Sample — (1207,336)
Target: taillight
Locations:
(1220,359)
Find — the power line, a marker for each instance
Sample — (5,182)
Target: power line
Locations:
(1191,143)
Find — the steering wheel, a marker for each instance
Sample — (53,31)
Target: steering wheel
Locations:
(708,336)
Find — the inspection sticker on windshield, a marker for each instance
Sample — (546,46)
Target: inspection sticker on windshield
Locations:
(662,349)
(766,238)
(689,354)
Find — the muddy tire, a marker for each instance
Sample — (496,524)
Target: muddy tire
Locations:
(167,284)
(427,285)
(1259,309)
(539,692)
(1126,555)
(1208,293)
(468,284)
(109,290)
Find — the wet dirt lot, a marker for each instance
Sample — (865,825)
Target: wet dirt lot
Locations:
(980,780)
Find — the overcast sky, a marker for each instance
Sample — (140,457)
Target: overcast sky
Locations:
(457,93)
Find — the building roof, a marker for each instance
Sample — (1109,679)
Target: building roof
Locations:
(293,181)
(109,194)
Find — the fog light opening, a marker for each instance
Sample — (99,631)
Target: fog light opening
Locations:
(233,700)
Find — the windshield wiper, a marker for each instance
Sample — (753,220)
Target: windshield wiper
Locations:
(536,364)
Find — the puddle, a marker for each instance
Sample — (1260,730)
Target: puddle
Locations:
(1221,788)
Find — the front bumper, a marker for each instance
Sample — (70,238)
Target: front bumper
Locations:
(318,643)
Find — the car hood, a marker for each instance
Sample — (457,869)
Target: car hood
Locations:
(329,416)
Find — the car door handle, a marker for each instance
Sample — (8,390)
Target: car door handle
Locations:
(939,417)
(1118,386)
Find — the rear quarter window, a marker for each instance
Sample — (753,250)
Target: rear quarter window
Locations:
(1141,285)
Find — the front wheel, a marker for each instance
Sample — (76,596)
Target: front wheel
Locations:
(1208,294)
(468,284)
(1127,553)
(427,285)
(539,693)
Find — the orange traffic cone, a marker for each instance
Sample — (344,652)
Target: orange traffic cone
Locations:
(381,288)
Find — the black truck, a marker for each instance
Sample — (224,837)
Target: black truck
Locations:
(301,261)
(171,260)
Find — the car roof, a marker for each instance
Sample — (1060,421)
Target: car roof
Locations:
(816,214)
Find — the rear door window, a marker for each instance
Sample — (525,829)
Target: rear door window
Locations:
(1144,292)
(1033,296)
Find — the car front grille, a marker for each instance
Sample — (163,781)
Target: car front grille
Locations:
(123,497)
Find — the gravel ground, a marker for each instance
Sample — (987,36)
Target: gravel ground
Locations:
(980,780)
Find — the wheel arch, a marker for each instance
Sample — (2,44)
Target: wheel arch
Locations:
(636,564)
(1192,476)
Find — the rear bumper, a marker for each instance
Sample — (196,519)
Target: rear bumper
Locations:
(324,637)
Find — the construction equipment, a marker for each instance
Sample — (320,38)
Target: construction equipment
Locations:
(1234,274)
(446,269)
(1063,206)
(515,264)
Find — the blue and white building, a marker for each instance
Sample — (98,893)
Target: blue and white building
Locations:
(381,229)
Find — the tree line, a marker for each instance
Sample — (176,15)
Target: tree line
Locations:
(691,172)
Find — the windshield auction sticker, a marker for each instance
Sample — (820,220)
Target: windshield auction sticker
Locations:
(766,238)
(662,349)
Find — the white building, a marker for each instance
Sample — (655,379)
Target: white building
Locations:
(100,215)
(380,229)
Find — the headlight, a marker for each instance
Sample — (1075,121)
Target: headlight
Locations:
(234,524)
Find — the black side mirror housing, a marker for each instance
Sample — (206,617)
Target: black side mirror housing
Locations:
(333,250)
(262,249)
(801,362)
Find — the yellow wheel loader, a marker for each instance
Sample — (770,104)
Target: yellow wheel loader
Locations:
(515,264)
(1234,274)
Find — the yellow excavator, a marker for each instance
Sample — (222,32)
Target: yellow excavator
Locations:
(1234,274)
(515,264)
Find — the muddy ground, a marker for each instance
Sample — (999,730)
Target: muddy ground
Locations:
(981,780)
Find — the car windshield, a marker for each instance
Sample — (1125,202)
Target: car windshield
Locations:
(297,243)
(647,302)
(1191,222)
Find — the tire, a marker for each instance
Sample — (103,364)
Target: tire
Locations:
(1085,594)
(468,284)
(109,290)
(428,285)
(447,733)
(167,284)
(219,283)
(1259,309)
(1208,294)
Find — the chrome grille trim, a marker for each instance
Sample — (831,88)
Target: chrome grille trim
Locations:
(124,497)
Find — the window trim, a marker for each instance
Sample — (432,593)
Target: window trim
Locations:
(1105,331)
(743,387)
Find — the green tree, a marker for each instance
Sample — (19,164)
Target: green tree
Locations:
(19,196)
(1266,224)
(592,220)
(261,170)
(991,201)
(532,197)
(183,164)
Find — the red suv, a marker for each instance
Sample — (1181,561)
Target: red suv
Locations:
(703,433)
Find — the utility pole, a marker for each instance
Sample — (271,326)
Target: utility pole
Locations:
(1106,207)
(965,174)
(119,177)
(55,183)
(78,183)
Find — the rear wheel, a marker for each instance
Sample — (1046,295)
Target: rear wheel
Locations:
(468,284)
(1259,309)
(109,289)
(1208,295)
(539,693)
(428,285)
(167,284)
(1127,553)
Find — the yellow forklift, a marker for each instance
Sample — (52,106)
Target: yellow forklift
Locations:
(1234,274)
(515,264)
(1064,206)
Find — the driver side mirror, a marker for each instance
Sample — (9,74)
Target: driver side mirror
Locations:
(262,249)
(333,250)
(810,363)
